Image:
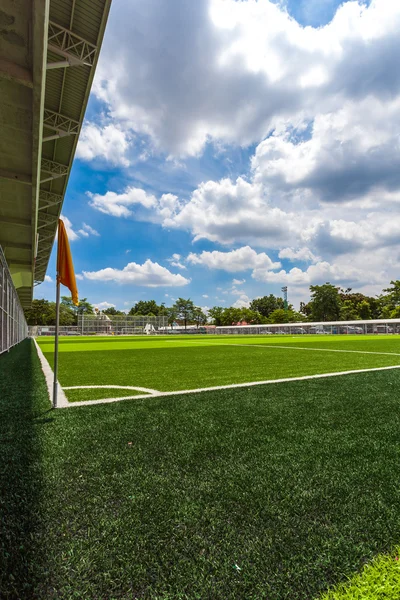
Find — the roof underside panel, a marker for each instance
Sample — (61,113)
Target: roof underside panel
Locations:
(41,113)
(67,92)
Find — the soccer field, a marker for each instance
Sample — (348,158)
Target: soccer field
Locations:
(129,366)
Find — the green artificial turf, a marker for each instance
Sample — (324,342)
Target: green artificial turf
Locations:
(379,580)
(269,492)
(190,362)
(80,395)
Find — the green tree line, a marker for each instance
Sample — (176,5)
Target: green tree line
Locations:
(327,303)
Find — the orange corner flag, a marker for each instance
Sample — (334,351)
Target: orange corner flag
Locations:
(65,267)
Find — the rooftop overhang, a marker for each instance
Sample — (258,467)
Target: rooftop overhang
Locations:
(48,55)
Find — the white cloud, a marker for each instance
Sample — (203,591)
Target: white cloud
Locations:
(238,281)
(242,259)
(225,89)
(205,296)
(242,302)
(48,279)
(119,205)
(90,230)
(303,254)
(108,142)
(324,109)
(104,305)
(79,276)
(174,261)
(149,274)
(72,235)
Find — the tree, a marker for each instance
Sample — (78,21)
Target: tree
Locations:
(84,307)
(184,310)
(358,306)
(325,301)
(267,304)
(306,310)
(43,312)
(38,313)
(364,310)
(348,312)
(280,315)
(145,307)
(171,314)
(216,315)
(199,317)
(112,311)
(390,301)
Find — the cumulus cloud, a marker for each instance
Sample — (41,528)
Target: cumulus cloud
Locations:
(323,111)
(174,261)
(104,305)
(242,302)
(224,88)
(303,254)
(135,202)
(149,274)
(108,142)
(242,259)
(48,279)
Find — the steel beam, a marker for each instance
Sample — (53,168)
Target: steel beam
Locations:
(74,48)
(47,199)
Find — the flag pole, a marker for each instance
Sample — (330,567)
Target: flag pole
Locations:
(55,385)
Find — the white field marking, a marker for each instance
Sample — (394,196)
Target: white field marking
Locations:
(270,346)
(114,387)
(62,400)
(228,387)
(315,349)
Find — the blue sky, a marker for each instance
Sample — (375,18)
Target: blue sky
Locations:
(230,148)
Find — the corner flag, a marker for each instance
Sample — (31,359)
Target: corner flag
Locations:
(66,276)
(65,267)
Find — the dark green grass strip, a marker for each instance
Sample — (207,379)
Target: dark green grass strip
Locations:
(24,415)
(296,484)
(177,368)
(97,394)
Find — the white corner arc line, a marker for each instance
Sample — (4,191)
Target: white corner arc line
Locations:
(62,401)
(112,387)
(232,386)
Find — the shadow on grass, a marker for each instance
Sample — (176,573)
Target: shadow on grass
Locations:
(23,411)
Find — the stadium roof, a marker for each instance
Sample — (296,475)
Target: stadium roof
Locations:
(48,55)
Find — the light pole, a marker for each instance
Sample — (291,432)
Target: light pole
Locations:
(284,290)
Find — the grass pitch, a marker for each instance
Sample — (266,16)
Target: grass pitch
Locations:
(174,363)
(270,492)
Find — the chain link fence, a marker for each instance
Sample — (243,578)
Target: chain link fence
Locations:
(13,327)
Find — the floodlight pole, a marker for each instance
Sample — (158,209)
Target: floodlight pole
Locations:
(284,290)
(55,384)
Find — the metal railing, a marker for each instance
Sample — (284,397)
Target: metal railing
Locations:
(13,327)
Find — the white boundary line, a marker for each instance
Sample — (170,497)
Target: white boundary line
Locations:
(62,401)
(65,404)
(228,387)
(271,346)
(314,349)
